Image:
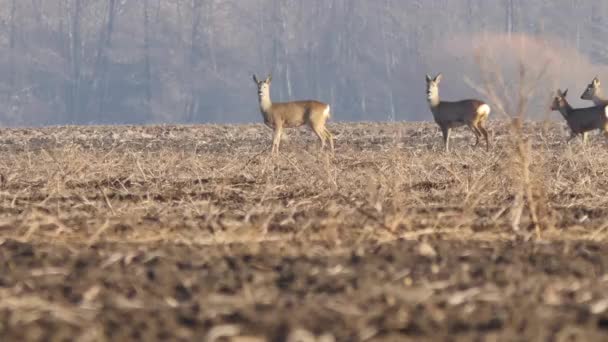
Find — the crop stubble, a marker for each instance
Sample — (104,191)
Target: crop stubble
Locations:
(185,232)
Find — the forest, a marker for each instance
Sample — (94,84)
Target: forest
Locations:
(190,61)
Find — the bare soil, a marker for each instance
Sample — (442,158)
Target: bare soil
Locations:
(197,233)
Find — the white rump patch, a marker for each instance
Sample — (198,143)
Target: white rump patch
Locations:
(326,111)
(484,109)
(606,112)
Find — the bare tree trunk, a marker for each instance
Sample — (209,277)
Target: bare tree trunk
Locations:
(11,91)
(509,17)
(262,32)
(37,7)
(286,57)
(74,92)
(276,63)
(158,5)
(193,101)
(211,36)
(12,45)
(102,59)
(147,67)
(63,29)
(314,58)
(388,71)
(181,45)
(362,98)
(599,54)
(472,18)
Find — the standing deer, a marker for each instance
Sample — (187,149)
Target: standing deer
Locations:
(448,115)
(292,114)
(594,93)
(581,120)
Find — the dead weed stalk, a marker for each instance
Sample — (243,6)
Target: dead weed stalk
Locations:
(528,188)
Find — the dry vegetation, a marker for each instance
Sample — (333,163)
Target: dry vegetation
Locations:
(115,233)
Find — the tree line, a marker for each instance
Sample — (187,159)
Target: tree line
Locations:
(190,61)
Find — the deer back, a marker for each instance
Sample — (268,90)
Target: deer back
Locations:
(296,113)
(587,119)
(464,111)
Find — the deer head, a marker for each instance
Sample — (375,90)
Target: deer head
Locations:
(432,86)
(592,89)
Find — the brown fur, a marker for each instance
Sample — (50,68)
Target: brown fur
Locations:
(448,115)
(293,114)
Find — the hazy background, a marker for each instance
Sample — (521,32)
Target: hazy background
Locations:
(190,61)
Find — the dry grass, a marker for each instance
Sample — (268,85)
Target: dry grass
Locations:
(217,184)
(127,233)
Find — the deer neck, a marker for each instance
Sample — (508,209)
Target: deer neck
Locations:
(598,99)
(265,102)
(434,101)
(565,110)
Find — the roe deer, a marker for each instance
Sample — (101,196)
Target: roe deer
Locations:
(448,115)
(581,120)
(292,114)
(594,93)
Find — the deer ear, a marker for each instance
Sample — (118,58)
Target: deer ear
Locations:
(255,79)
(596,81)
(438,77)
(269,78)
(428,78)
(565,93)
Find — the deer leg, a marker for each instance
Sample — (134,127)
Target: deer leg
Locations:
(446,137)
(584,138)
(320,132)
(572,136)
(486,136)
(276,141)
(329,137)
(476,132)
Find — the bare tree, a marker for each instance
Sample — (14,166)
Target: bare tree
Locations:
(74,93)
(192,104)
(12,42)
(75,61)
(100,78)
(147,62)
